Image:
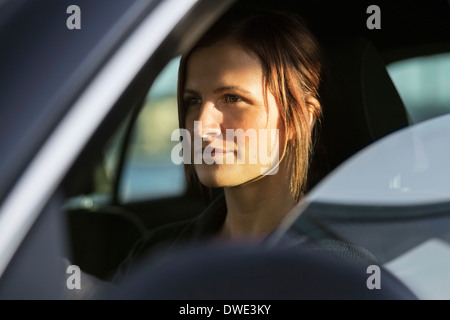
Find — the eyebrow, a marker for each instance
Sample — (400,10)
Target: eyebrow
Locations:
(221,89)
(232,88)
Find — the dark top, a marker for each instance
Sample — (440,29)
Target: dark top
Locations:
(169,237)
(166,239)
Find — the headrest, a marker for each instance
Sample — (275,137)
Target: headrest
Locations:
(359,100)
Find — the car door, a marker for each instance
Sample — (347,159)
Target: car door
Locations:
(70,87)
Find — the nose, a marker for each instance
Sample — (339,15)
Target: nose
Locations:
(208,125)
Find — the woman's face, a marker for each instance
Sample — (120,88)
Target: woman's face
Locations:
(224,91)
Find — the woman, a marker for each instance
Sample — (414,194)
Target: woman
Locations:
(257,74)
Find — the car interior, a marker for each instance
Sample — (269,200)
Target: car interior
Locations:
(360,103)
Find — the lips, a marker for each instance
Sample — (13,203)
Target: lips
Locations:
(219,152)
(214,151)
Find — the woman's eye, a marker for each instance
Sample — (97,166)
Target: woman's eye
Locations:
(231,98)
(192,101)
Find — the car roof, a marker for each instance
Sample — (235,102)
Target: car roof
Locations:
(403,23)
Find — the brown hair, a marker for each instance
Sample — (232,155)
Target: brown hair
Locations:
(291,60)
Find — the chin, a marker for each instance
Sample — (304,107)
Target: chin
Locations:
(219,176)
(209,176)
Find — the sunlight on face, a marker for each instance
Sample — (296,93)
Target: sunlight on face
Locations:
(224,90)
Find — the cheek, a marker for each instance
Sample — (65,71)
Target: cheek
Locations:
(189,119)
(254,119)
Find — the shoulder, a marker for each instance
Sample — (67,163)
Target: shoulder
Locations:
(154,240)
(202,227)
(165,238)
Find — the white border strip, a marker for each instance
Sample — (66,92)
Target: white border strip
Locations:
(39,181)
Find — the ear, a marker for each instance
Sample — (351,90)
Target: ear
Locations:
(313,106)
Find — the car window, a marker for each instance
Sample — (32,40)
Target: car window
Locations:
(148,170)
(98,181)
(410,167)
(423,83)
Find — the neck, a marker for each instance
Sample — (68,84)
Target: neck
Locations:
(257,208)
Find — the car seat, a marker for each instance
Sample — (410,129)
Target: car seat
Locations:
(359,100)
